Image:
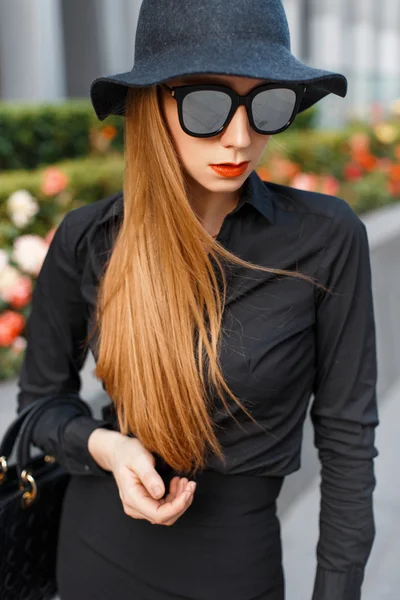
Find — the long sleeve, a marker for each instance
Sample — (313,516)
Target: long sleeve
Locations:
(344,410)
(56,329)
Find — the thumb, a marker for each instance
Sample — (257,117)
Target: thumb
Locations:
(152,481)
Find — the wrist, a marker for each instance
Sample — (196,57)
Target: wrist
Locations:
(101,444)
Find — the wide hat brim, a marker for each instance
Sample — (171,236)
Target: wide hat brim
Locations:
(249,59)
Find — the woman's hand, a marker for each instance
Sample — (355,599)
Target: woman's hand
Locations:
(138,482)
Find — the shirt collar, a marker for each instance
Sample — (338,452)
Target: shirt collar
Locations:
(255,192)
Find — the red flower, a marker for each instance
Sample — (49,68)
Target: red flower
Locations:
(109,132)
(352,172)
(366,160)
(330,185)
(394,188)
(359,142)
(395,172)
(54,181)
(11,325)
(21,294)
(264,173)
(306,181)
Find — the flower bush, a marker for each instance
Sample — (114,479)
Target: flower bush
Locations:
(360,163)
(20,264)
(32,204)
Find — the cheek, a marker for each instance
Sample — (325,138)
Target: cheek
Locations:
(193,152)
(259,143)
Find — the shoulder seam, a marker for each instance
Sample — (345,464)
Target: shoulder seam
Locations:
(317,290)
(107,200)
(278,193)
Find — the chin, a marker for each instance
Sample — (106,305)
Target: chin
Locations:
(229,183)
(223,185)
(218,184)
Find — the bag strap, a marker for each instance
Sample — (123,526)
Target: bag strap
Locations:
(25,442)
(35,407)
(11,433)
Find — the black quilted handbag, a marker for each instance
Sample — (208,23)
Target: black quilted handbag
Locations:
(31,496)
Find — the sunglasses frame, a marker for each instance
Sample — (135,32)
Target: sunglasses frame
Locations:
(180,92)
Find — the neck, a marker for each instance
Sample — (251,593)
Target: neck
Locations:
(211,207)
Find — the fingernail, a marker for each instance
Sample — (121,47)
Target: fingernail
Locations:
(156,490)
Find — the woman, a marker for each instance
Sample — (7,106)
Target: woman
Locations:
(215,304)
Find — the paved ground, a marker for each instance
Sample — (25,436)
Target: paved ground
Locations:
(299,504)
(300,524)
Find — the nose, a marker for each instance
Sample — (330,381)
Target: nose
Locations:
(237,133)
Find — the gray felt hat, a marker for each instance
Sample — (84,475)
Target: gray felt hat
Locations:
(231,37)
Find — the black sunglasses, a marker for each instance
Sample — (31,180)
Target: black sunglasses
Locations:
(205,110)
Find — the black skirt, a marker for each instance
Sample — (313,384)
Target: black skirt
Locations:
(227,545)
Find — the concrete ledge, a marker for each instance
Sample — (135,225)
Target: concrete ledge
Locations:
(382,225)
(300,526)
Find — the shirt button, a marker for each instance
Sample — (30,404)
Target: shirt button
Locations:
(87,467)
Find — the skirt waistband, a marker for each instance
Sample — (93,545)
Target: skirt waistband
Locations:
(254,491)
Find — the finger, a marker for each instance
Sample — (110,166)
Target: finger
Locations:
(149,477)
(174,519)
(182,483)
(173,486)
(172,492)
(138,498)
(175,489)
(190,487)
(159,512)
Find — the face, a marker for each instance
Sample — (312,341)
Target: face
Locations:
(237,143)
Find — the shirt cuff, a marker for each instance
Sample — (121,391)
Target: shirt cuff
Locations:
(338,585)
(76,435)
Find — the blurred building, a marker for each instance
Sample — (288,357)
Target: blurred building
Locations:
(52,49)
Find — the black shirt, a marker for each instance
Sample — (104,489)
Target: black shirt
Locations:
(285,341)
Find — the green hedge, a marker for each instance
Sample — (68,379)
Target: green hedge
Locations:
(31,136)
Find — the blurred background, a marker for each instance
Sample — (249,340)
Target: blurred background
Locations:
(58,46)
(55,156)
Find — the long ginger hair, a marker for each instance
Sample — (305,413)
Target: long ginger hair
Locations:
(159,305)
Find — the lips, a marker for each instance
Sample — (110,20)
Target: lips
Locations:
(230,169)
(228,164)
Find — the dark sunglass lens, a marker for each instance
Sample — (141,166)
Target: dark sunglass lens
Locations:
(205,111)
(272,109)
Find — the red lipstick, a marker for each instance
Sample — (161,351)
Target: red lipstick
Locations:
(230,169)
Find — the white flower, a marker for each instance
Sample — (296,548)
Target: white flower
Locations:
(9,277)
(3,260)
(29,253)
(22,207)
(19,345)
